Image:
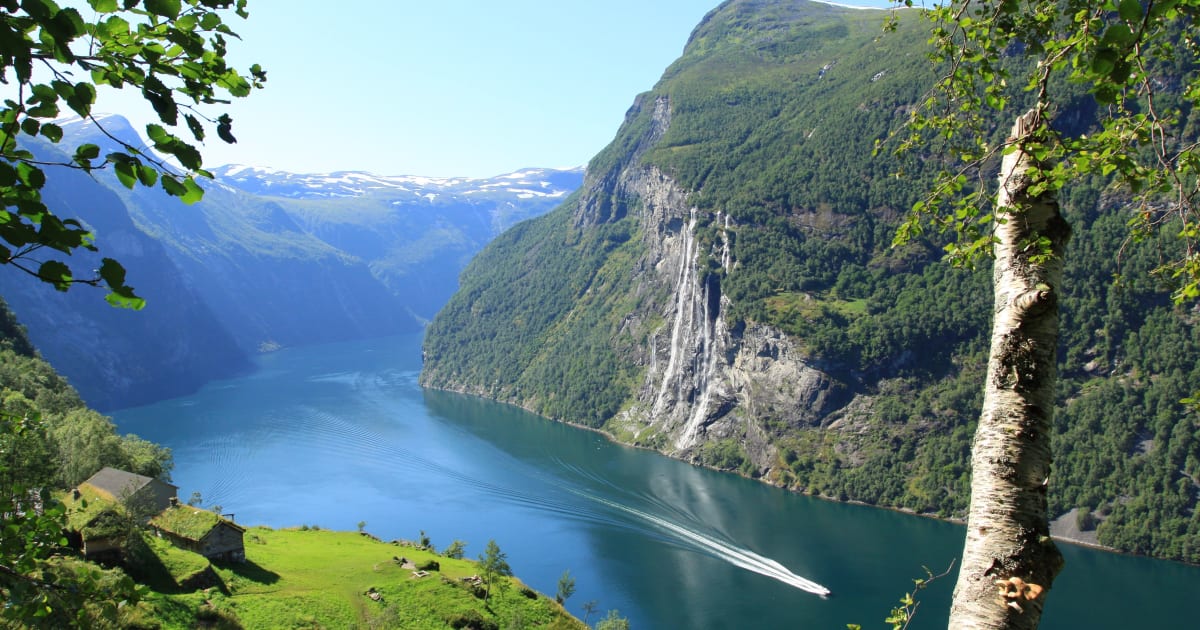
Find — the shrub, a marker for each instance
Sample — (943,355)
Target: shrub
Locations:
(471,620)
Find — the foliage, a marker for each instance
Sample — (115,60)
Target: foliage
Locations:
(566,587)
(172,51)
(902,615)
(494,564)
(47,438)
(37,587)
(456,549)
(1132,65)
(613,621)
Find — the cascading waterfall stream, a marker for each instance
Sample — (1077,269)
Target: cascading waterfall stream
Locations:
(684,295)
(705,365)
(696,331)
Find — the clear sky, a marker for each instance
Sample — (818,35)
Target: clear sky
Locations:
(442,88)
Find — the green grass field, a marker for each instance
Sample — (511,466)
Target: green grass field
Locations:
(297,578)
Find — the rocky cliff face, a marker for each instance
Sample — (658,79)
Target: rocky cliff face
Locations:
(703,382)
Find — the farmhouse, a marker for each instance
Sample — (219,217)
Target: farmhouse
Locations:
(146,494)
(201,531)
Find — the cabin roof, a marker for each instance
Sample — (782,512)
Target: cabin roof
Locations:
(190,522)
(116,482)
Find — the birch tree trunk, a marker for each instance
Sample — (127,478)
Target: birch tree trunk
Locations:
(1008,558)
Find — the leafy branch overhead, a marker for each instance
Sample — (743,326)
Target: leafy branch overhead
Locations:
(1133,61)
(52,59)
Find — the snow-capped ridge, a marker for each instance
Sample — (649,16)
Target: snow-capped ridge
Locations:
(527,183)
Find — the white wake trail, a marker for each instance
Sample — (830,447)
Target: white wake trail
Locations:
(743,558)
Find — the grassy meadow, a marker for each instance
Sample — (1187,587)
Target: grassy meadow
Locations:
(312,578)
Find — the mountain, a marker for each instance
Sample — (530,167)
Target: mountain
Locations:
(116,357)
(266,259)
(723,289)
(416,234)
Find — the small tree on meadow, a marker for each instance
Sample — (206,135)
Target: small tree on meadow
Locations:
(566,587)
(456,549)
(589,607)
(614,621)
(494,564)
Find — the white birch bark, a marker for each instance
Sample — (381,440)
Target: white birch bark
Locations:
(1008,545)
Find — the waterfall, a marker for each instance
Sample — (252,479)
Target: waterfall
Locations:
(685,291)
(704,367)
(690,380)
(726,250)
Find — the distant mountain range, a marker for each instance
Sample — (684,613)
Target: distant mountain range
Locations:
(268,259)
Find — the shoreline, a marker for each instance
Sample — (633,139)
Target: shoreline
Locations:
(1062,537)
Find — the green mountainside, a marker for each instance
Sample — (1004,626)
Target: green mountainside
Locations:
(723,288)
(62,441)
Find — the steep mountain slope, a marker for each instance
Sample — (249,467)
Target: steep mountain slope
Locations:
(723,289)
(267,259)
(416,234)
(116,357)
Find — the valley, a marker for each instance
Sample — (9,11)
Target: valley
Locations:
(702,374)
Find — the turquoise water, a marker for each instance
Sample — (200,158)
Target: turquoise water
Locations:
(337,434)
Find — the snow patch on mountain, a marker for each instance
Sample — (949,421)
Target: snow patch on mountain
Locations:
(526,183)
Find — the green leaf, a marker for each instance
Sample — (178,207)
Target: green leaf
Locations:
(81,98)
(112,272)
(172,186)
(224,129)
(56,273)
(1130,10)
(31,176)
(147,175)
(52,132)
(166,8)
(1104,61)
(122,295)
(195,126)
(1117,35)
(192,192)
(104,6)
(157,134)
(86,152)
(126,173)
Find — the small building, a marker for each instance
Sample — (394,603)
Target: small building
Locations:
(102,536)
(96,525)
(144,494)
(201,531)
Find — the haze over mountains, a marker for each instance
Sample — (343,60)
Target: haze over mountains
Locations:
(267,259)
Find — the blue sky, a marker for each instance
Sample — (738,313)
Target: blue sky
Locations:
(450,88)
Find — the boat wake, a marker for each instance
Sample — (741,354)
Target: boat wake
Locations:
(739,557)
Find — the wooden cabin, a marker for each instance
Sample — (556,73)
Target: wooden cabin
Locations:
(144,494)
(201,531)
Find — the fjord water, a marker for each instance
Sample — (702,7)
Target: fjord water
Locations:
(336,434)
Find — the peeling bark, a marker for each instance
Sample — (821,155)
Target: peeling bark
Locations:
(1009,560)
